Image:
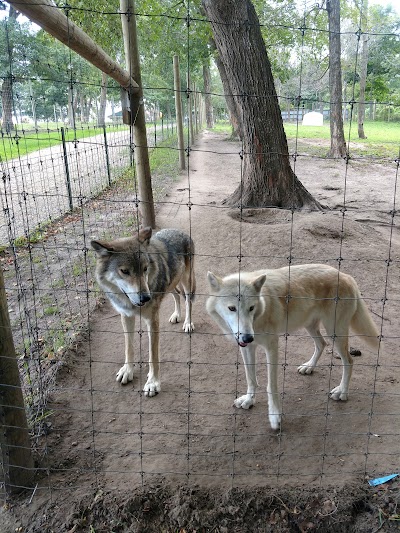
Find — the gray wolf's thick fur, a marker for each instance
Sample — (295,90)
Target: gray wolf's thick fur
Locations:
(255,308)
(135,274)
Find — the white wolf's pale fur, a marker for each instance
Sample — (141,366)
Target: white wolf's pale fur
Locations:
(257,307)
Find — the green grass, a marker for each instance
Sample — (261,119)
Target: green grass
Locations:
(376,132)
(383,138)
(22,143)
(165,157)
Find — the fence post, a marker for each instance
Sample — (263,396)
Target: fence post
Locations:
(14,435)
(138,122)
(107,158)
(68,178)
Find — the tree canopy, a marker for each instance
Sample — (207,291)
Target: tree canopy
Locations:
(296,41)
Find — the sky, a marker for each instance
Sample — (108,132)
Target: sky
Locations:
(394,3)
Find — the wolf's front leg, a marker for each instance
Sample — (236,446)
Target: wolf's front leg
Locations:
(249,359)
(153,384)
(125,373)
(274,400)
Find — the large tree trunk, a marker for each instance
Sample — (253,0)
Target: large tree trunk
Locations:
(207,96)
(268,179)
(363,78)
(338,144)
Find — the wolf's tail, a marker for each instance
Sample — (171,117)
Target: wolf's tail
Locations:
(363,325)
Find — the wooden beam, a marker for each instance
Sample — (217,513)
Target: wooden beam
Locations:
(52,19)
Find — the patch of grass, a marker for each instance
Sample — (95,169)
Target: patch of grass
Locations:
(376,132)
(23,142)
(56,339)
(45,299)
(51,310)
(383,138)
(77,269)
(58,283)
(165,157)
(222,127)
(37,235)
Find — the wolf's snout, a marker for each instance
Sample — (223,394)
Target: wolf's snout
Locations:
(144,298)
(246,339)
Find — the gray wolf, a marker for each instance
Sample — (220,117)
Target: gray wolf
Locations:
(255,308)
(135,273)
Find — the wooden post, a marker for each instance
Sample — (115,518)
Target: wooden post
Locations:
(52,19)
(14,435)
(137,115)
(178,110)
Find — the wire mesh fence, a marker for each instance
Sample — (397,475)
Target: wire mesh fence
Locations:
(88,431)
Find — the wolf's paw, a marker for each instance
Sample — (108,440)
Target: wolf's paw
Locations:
(338,394)
(245,402)
(175,318)
(152,387)
(306,368)
(275,421)
(188,326)
(125,373)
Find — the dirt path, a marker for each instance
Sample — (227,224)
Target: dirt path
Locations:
(107,436)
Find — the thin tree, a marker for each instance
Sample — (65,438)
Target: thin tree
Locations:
(207,96)
(363,73)
(101,120)
(338,143)
(9,26)
(268,179)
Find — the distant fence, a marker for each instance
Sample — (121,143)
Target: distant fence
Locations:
(42,186)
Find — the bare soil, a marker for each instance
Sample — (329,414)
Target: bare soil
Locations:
(187,460)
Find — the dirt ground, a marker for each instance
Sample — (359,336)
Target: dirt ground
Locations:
(187,460)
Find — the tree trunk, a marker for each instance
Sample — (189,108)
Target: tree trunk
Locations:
(363,78)
(207,96)
(6,87)
(71,108)
(268,179)
(234,113)
(103,101)
(338,144)
(82,105)
(6,100)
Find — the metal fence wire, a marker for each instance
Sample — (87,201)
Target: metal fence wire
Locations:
(89,432)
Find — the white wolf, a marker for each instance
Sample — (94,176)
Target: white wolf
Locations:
(256,307)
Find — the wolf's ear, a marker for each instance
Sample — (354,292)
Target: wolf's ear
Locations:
(259,282)
(102,249)
(214,281)
(144,235)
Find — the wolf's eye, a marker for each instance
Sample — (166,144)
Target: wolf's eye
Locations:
(144,269)
(251,308)
(124,271)
(232,308)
